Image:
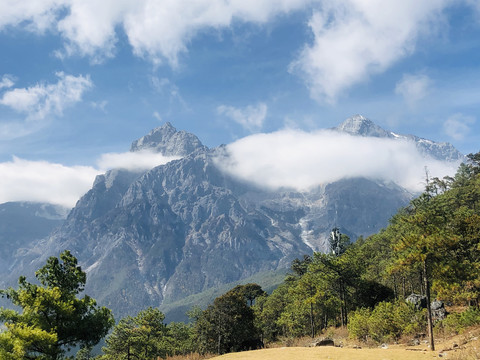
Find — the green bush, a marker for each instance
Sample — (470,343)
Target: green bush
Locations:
(458,322)
(386,322)
(358,324)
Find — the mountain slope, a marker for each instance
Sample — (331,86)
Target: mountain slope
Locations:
(23,223)
(154,237)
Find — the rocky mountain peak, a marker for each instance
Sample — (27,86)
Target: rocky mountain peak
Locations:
(360,125)
(168,141)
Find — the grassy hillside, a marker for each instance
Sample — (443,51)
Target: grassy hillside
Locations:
(175,311)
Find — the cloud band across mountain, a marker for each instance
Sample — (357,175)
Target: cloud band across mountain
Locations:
(301,160)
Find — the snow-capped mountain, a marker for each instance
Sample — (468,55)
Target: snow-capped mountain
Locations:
(359,125)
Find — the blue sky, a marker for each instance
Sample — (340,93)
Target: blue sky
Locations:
(80,79)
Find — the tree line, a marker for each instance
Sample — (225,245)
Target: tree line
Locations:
(431,247)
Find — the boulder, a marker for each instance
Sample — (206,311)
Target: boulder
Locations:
(324,342)
(438,310)
(420,301)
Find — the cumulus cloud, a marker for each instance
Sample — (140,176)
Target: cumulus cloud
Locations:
(251,117)
(34,15)
(42,100)
(355,39)
(157,30)
(458,126)
(352,39)
(413,88)
(25,180)
(300,160)
(135,161)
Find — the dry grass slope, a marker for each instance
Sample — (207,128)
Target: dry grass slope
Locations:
(460,347)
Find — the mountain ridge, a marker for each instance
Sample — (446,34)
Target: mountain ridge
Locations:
(153,237)
(358,125)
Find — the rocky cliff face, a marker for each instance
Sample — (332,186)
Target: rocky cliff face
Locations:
(152,237)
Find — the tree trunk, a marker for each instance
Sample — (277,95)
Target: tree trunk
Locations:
(395,291)
(343,299)
(312,321)
(423,290)
(341,313)
(429,308)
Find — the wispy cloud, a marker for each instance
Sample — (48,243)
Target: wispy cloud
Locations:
(7,81)
(135,161)
(413,88)
(251,117)
(300,160)
(165,87)
(458,126)
(42,100)
(100,105)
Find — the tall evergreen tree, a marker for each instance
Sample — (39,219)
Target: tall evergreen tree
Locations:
(53,319)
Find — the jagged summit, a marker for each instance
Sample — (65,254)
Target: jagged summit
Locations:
(360,125)
(168,141)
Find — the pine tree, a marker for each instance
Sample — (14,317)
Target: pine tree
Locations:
(53,319)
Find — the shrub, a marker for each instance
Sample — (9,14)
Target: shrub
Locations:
(458,322)
(387,321)
(358,324)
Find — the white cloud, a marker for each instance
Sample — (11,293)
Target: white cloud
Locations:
(135,161)
(157,30)
(352,39)
(42,181)
(413,88)
(250,117)
(458,126)
(24,180)
(300,160)
(162,30)
(89,27)
(287,158)
(34,15)
(355,39)
(42,100)
(7,81)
